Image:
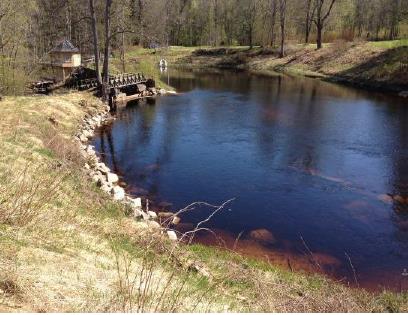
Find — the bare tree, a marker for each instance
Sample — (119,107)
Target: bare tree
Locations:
(282,15)
(248,11)
(310,11)
(394,19)
(273,9)
(95,40)
(122,35)
(358,17)
(321,18)
(105,81)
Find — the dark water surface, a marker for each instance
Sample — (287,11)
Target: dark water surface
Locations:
(309,161)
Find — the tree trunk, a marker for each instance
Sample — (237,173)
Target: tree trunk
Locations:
(216,24)
(282,27)
(105,80)
(320,19)
(319,36)
(273,22)
(122,51)
(282,43)
(95,41)
(394,19)
(251,45)
(307,35)
(140,18)
(307,22)
(358,23)
(69,22)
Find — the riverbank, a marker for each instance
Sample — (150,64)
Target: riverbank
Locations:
(67,246)
(375,65)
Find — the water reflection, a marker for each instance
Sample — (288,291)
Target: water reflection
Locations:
(308,161)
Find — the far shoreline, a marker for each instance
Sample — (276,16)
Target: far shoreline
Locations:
(375,69)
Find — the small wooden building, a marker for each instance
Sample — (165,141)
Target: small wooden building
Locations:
(65,58)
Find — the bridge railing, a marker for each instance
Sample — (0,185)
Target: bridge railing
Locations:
(120,80)
(124,79)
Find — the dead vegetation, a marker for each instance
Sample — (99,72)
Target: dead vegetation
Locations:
(159,283)
(25,198)
(65,247)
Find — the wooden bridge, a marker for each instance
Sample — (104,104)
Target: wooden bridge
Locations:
(123,80)
(120,87)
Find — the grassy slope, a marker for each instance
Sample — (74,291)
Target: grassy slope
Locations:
(376,64)
(141,60)
(65,247)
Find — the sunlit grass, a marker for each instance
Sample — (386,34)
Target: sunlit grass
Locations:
(388,44)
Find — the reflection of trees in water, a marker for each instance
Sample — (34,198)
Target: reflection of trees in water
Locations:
(127,116)
(243,82)
(289,104)
(172,120)
(400,177)
(300,143)
(108,149)
(139,120)
(139,117)
(155,138)
(269,114)
(214,80)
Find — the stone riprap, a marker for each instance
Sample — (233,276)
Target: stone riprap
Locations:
(102,175)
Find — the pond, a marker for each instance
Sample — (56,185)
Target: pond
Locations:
(318,172)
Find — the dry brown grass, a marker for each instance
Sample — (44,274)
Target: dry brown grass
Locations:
(158,283)
(25,197)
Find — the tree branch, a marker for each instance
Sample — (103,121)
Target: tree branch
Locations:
(328,12)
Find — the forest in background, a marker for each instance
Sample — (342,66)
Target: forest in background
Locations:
(31,28)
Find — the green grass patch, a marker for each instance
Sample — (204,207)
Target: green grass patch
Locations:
(388,44)
(111,210)
(392,302)
(45,152)
(241,284)
(124,243)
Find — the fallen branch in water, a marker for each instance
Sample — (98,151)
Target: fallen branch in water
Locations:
(314,260)
(353,269)
(199,224)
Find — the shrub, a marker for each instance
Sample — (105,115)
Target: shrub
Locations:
(25,195)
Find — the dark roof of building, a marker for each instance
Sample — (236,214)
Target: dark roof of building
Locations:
(65,46)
